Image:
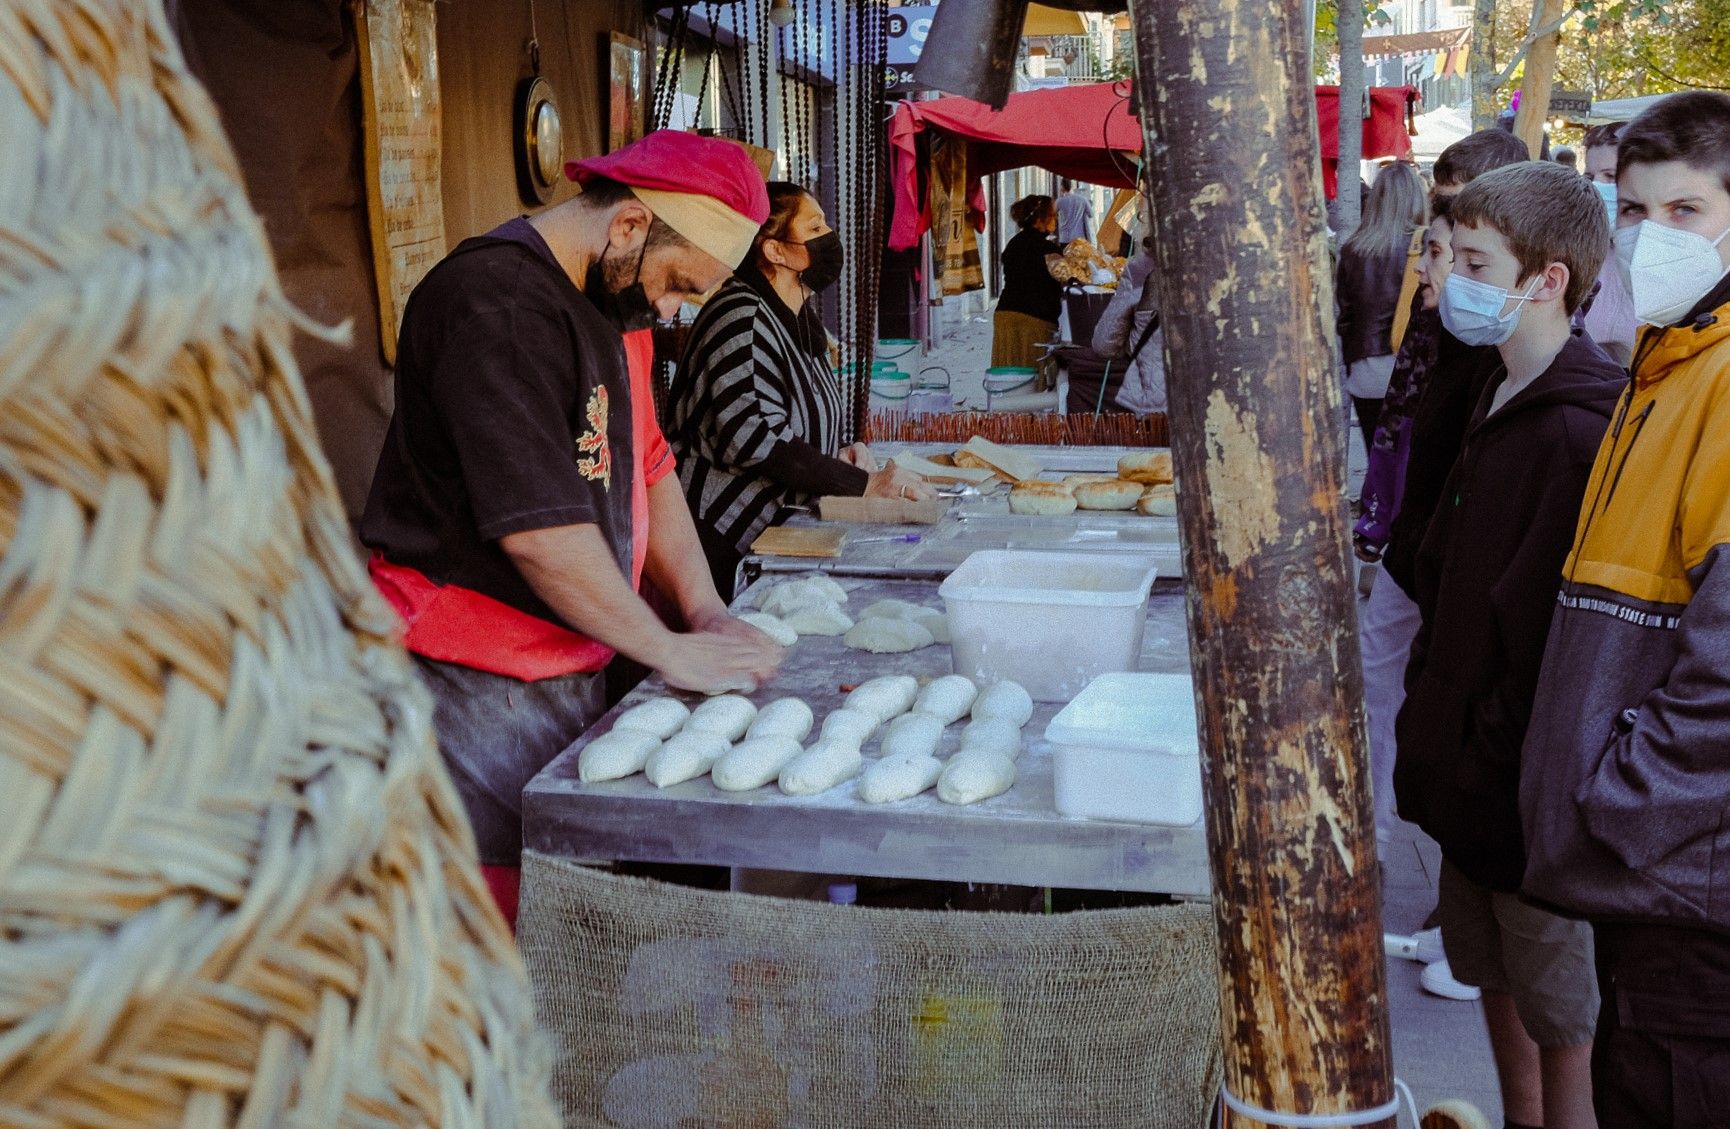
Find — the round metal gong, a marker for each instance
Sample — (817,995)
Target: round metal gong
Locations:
(540,141)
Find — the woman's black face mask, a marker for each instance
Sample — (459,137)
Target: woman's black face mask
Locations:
(827,259)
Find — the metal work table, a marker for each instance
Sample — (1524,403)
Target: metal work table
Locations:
(1017,837)
(983,521)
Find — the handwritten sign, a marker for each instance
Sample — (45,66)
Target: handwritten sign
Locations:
(399,84)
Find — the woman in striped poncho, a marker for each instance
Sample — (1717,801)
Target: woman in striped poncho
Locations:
(756,412)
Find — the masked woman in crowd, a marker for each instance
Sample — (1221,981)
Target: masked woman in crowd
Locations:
(756,411)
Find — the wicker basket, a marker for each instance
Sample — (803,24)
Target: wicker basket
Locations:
(235,884)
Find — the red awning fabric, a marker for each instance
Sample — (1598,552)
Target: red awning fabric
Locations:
(1084,132)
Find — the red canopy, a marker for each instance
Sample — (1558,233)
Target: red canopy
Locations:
(1083,132)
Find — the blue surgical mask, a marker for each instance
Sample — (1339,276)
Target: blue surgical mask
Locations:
(1472,310)
(1607,193)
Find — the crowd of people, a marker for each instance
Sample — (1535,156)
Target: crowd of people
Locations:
(1547,646)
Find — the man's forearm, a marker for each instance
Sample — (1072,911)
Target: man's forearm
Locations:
(676,562)
(574,571)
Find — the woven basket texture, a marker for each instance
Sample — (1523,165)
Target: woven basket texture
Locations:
(676,1007)
(236,887)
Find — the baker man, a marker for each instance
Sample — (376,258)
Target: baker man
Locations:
(524,489)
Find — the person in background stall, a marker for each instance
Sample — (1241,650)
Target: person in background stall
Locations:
(1027,308)
(1128,331)
(1074,214)
(1610,316)
(1625,774)
(524,490)
(1372,266)
(756,413)
(1567,158)
(1528,241)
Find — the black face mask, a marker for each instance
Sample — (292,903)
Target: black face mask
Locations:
(827,259)
(628,308)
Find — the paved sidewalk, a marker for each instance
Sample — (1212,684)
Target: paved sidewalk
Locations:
(1440,1047)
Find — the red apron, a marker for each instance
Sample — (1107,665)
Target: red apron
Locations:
(453,624)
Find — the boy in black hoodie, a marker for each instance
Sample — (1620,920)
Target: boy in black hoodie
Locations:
(1529,240)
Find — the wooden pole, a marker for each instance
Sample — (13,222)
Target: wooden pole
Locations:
(1247,301)
(1540,76)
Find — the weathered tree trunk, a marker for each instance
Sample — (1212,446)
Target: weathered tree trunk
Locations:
(1540,76)
(1349,21)
(1247,305)
(1481,65)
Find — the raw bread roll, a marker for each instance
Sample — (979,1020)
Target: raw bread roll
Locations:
(1158,501)
(784,717)
(1041,498)
(791,595)
(1147,467)
(753,763)
(820,768)
(883,636)
(896,778)
(1116,494)
(891,609)
(973,775)
(661,716)
(948,698)
(993,734)
(1004,699)
(615,754)
(729,715)
(884,698)
(687,755)
(848,724)
(934,621)
(912,735)
(772,626)
(820,619)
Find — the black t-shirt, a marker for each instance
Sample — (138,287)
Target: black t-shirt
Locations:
(1028,287)
(513,413)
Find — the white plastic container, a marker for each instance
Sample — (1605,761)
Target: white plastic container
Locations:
(1050,621)
(1126,750)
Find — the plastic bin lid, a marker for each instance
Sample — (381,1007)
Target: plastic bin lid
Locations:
(1045,577)
(1142,713)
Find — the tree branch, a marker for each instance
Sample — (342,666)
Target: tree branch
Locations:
(1525,46)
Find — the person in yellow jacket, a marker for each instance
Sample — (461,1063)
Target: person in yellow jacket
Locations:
(1625,773)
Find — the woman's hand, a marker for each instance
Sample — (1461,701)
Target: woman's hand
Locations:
(893,482)
(859,455)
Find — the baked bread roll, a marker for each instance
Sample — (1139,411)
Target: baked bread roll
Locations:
(1041,498)
(1113,494)
(1148,467)
(1158,501)
(1074,480)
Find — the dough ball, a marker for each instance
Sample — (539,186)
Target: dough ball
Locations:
(825,766)
(729,715)
(993,734)
(753,763)
(808,592)
(1158,501)
(615,754)
(975,775)
(821,619)
(884,698)
(1041,498)
(888,636)
(847,724)
(784,717)
(912,734)
(661,716)
(934,621)
(948,698)
(688,754)
(891,609)
(1148,467)
(897,778)
(1007,700)
(1115,494)
(772,626)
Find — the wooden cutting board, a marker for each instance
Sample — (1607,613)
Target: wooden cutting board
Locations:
(885,511)
(781,541)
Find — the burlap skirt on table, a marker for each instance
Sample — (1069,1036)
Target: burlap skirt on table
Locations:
(1016,339)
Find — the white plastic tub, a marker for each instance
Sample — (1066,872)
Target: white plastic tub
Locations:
(1050,621)
(1125,749)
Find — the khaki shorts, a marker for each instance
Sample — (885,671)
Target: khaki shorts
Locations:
(1496,942)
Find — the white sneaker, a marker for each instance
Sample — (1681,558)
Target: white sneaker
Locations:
(1430,945)
(1438,980)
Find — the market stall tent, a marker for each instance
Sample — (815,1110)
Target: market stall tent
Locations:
(1085,132)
